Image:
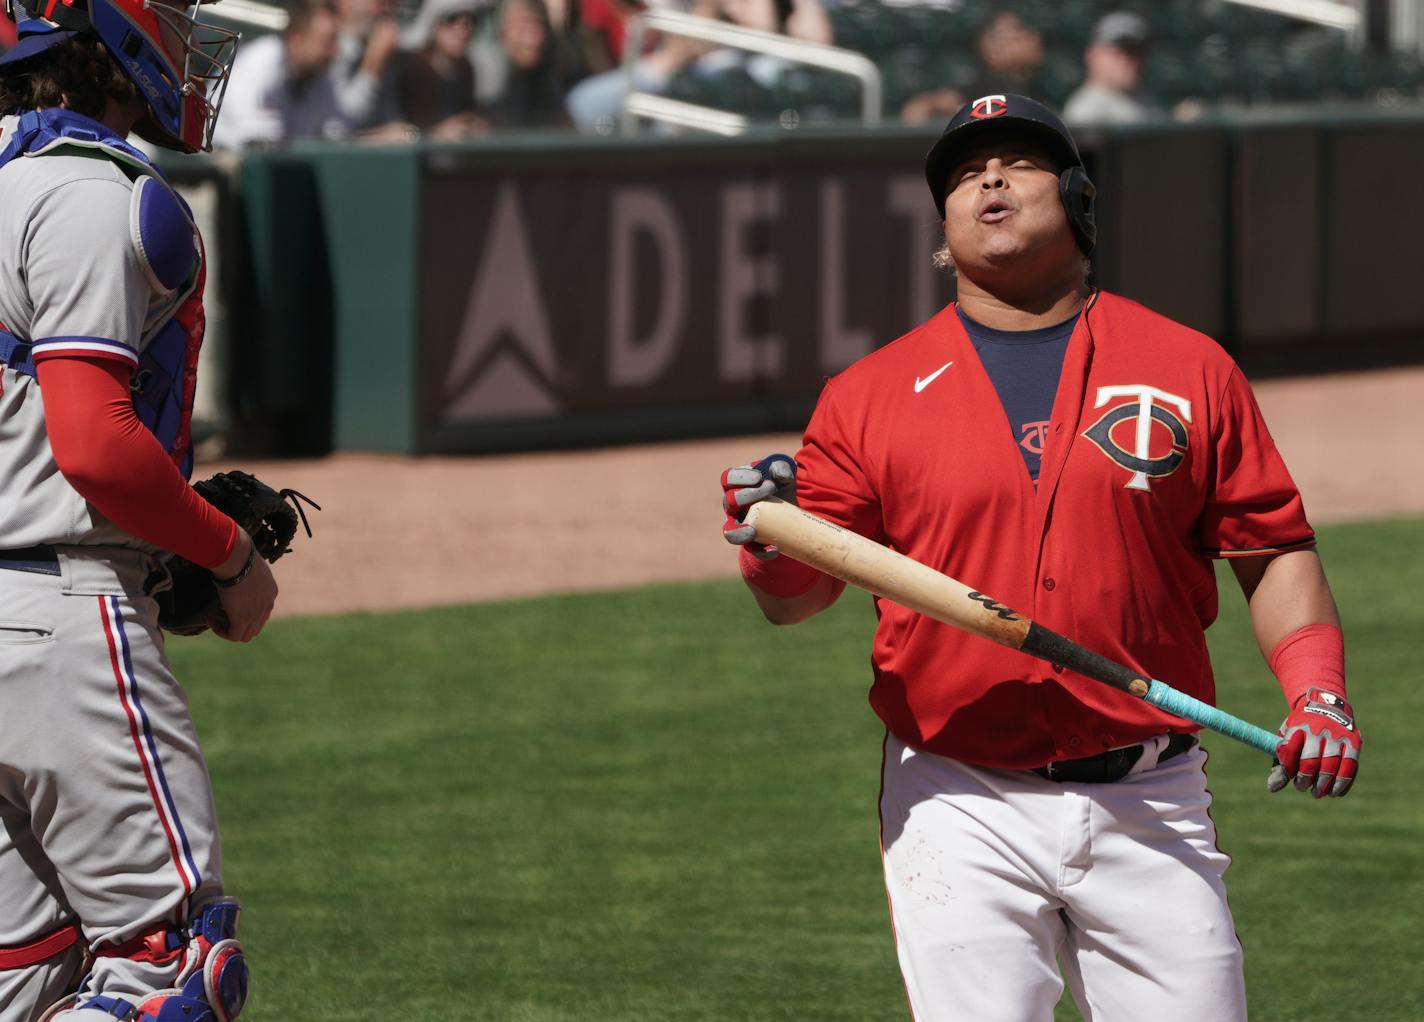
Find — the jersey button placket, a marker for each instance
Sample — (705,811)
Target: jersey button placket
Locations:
(1049,584)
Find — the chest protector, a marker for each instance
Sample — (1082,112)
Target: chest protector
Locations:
(171,253)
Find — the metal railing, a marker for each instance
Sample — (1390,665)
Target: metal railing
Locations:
(1407,26)
(1332,14)
(252,12)
(637,104)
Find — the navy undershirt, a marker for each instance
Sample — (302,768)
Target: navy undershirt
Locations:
(1024,366)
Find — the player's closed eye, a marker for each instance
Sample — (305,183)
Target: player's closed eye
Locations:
(1013,163)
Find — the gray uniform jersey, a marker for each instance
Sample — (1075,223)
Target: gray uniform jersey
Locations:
(71,278)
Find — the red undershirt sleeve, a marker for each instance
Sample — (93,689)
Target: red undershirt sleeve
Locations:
(116,464)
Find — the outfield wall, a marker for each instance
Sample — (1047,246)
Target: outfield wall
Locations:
(560,291)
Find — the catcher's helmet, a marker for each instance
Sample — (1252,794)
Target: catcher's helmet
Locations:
(1021,114)
(179,65)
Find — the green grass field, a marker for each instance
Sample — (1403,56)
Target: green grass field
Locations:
(651,805)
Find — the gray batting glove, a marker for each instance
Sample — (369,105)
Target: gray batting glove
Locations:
(743,486)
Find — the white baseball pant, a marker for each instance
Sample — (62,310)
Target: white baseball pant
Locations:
(107,811)
(996,877)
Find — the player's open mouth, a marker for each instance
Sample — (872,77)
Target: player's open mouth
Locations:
(995,210)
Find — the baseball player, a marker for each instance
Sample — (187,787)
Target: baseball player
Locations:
(1083,459)
(110,872)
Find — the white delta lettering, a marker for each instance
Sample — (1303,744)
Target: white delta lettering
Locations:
(840,343)
(742,355)
(636,212)
(506,361)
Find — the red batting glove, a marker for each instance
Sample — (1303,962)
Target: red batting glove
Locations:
(1320,746)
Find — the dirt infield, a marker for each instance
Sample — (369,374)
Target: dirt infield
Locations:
(412,532)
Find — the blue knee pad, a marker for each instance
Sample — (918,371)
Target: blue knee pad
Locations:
(164,1006)
(217,976)
(213,979)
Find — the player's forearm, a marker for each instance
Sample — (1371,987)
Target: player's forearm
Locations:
(788,592)
(1285,592)
(783,610)
(116,464)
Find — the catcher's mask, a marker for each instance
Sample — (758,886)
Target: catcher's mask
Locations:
(1020,114)
(179,64)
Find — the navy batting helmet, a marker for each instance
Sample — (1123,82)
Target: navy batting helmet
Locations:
(1010,113)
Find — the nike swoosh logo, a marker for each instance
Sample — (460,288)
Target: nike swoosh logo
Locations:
(922,384)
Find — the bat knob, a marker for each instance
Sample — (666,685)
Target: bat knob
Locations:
(766,464)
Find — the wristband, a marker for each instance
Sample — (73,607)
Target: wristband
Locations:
(782,577)
(1310,657)
(243,572)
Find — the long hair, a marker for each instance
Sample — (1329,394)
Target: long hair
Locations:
(78,74)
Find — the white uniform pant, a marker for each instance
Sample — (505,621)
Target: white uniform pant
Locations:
(106,812)
(997,876)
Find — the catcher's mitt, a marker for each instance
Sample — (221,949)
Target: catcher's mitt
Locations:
(269,516)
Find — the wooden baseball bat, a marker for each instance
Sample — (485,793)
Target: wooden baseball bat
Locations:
(868,565)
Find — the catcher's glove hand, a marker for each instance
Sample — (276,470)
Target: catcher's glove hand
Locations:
(190,605)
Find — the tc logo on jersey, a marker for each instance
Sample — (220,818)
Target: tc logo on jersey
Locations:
(989,106)
(1034,435)
(1146,408)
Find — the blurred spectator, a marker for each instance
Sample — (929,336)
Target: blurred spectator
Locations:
(1010,55)
(281,88)
(932,107)
(605,24)
(582,49)
(597,102)
(7,34)
(800,19)
(578,50)
(539,68)
(435,80)
(1112,92)
(364,69)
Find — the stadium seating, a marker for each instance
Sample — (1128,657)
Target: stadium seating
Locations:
(1220,54)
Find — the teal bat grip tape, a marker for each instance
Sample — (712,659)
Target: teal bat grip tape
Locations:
(1182,705)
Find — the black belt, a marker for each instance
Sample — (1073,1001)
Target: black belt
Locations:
(42,560)
(1110,766)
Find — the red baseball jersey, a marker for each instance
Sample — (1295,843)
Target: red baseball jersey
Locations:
(1156,461)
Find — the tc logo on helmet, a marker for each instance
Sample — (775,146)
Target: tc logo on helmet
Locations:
(989,106)
(1147,409)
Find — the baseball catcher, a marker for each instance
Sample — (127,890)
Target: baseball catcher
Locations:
(110,867)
